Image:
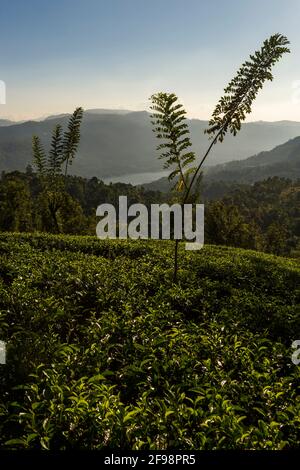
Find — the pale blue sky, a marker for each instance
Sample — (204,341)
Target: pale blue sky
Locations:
(59,54)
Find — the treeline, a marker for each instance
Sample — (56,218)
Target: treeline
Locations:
(264,216)
(24,202)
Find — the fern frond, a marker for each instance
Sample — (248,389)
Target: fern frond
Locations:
(168,120)
(55,158)
(39,156)
(242,90)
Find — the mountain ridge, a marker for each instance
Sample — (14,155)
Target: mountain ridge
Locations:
(117,142)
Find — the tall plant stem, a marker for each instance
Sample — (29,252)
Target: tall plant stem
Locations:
(175,261)
(66,169)
(188,190)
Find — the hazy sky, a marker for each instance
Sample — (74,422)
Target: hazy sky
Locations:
(59,54)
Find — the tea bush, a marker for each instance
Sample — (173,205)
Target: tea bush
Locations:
(104,351)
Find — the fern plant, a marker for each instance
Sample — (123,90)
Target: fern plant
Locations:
(62,151)
(71,138)
(169,124)
(39,156)
(56,151)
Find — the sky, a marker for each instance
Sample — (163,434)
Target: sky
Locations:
(60,54)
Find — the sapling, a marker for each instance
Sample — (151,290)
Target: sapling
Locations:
(169,119)
(62,151)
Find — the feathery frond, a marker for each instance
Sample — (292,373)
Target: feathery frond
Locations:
(169,124)
(242,90)
(72,137)
(39,156)
(55,154)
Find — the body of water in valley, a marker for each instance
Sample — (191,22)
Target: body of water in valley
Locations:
(136,178)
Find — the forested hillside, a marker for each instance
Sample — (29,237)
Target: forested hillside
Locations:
(283,161)
(264,216)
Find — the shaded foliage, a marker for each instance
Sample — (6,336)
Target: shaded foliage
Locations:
(104,351)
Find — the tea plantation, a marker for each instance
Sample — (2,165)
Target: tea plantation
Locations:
(104,351)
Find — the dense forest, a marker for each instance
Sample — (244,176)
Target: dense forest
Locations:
(264,216)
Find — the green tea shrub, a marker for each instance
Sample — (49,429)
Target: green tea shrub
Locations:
(105,351)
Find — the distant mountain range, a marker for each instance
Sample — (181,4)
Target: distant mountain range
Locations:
(91,111)
(120,142)
(6,122)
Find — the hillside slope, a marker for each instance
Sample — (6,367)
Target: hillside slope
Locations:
(282,161)
(123,358)
(6,122)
